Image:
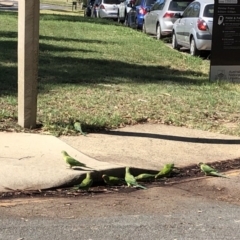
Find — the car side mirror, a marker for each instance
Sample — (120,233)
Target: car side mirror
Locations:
(148,9)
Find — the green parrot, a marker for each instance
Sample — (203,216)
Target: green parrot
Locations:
(130,179)
(77,126)
(166,171)
(111,180)
(145,177)
(73,162)
(209,170)
(86,183)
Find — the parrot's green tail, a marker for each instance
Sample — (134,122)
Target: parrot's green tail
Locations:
(140,186)
(78,128)
(217,174)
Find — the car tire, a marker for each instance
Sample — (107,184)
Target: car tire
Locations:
(144,28)
(174,42)
(158,32)
(193,49)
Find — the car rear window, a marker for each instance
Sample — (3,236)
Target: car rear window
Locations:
(178,5)
(208,11)
(150,2)
(111,1)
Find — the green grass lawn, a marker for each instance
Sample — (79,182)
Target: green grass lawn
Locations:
(107,76)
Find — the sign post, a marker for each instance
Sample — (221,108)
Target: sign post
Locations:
(225,60)
(28,44)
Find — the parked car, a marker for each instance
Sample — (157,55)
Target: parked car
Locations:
(105,9)
(193,29)
(160,17)
(88,8)
(137,12)
(123,9)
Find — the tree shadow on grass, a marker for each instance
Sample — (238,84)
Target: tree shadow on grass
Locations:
(91,71)
(73,70)
(70,69)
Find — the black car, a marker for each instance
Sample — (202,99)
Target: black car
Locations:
(88,8)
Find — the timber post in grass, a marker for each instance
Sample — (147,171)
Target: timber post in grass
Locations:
(28,45)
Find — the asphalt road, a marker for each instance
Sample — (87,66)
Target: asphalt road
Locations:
(156,213)
(216,222)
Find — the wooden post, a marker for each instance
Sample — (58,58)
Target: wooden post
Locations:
(28,45)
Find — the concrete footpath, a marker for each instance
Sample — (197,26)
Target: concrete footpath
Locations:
(34,161)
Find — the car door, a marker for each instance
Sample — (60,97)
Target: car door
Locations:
(121,9)
(190,22)
(148,18)
(180,25)
(153,16)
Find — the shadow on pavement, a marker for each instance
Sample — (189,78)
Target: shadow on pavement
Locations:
(173,138)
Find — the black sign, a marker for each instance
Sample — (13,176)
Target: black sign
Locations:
(226,41)
(226,33)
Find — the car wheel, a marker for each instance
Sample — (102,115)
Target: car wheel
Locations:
(174,42)
(143,28)
(158,33)
(193,49)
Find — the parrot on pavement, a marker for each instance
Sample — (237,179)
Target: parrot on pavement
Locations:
(209,170)
(166,171)
(72,162)
(77,126)
(130,180)
(145,177)
(86,183)
(111,180)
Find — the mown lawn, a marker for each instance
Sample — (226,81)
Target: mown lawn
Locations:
(107,76)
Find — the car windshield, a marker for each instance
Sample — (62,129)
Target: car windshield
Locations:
(111,1)
(178,5)
(208,11)
(150,2)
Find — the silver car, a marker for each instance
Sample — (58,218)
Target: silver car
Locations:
(193,29)
(161,16)
(105,9)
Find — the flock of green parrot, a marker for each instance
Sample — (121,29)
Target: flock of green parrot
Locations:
(130,180)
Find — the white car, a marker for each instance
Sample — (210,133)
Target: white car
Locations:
(193,29)
(123,8)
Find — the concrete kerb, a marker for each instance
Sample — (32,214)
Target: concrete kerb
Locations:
(33,162)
